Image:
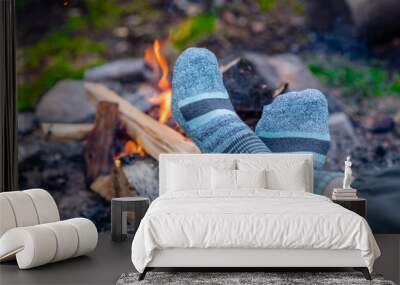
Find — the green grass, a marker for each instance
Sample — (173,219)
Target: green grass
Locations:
(67,52)
(53,58)
(357,80)
(192,30)
(269,6)
(30,93)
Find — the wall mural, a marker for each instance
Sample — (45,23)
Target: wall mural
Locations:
(96,103)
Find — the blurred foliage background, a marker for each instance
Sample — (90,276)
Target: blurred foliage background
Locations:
(59,39)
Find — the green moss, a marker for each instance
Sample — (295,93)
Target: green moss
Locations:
(144,9)
(30,93)
(192,30)
(58,44)
(53,58)
(60,53)
(357,80)
(103,14)
(106,14)
(75,23)
(395,86)
(270,5)
(267,5)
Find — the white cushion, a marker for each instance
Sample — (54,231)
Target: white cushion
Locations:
(192,177)
(45,205)
(231,180)
(40,244)
(26,208)
(87,233)
(251,178)
(223,179)
(283,174)
(229,161)
(23,208)
(293,180)
(7,218)
(172,179)
(66,237)
(34,244)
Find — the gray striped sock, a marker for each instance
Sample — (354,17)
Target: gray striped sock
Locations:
(297,122)
(201,106)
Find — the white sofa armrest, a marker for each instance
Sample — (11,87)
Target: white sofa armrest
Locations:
(40,244)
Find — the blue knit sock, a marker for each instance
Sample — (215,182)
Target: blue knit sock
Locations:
(297,122)
(201,106)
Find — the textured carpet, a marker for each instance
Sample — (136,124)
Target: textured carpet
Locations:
(225,278)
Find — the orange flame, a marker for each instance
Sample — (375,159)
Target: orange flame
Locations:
(156,59)
(159,65)
(131,147)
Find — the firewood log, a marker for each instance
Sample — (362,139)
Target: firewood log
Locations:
(155,137)
(104,186)
(122,187)
(66,132)
(113,185)
(99,142)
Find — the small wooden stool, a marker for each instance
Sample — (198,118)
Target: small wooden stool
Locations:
(119,215)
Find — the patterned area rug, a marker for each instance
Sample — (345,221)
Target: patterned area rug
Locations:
(225,278)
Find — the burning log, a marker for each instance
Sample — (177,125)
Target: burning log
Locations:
(99,143)
(225,67)
(156,138)
(122,188)
(66,132)
(104,186)
(113,185)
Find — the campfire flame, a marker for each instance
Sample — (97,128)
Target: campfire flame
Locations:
(133,147)
(130,147)
(157,60)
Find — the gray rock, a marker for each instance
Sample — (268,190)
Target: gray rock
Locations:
(26,122)
(381,188)
(378,123)
(116,86)
(27,151)
(264,69)
(340,123)
(125,70)
(343,139)
(140,98)
(142,175)
(276,69)
(66,102)
(397,118)
(289,68)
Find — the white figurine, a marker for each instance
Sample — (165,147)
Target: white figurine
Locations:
(348,177)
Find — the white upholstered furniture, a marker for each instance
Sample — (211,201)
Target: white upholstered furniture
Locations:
(31,230)
(284,225)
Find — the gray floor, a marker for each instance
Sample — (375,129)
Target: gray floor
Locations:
(389,263)
(103,266)
(110,260)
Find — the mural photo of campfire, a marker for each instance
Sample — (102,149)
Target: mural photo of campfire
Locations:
(97,95)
